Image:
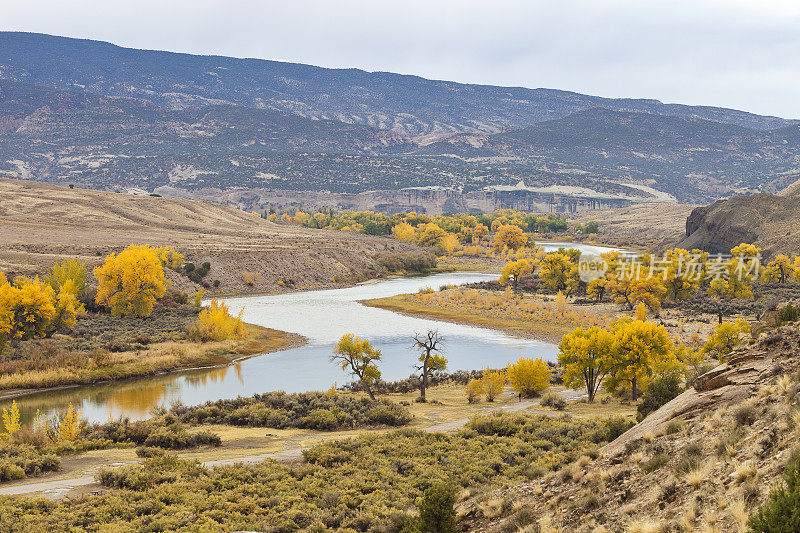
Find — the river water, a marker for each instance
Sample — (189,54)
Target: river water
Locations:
(320,316)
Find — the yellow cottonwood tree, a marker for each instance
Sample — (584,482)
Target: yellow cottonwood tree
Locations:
(779,270)
(11,422)
(640,350)
(130,283)
(70,270)
(510,236)
(680,282)
(474,390)
(170,257)
(585,355)
(360,358)
(514,270)
(70,426)
(493,382)
(215,323)
(529,376)
(725,337)
(559,272)
(26,309)
(431,235)
(403,232)
(478,233)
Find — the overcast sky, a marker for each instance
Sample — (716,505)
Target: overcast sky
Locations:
(734,53)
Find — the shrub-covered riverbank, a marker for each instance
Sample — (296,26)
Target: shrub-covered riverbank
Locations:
(373,482)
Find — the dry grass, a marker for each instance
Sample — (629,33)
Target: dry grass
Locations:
(644,526)
(737,511)
(492,508)
(697,476)
(745,471)
(529,319)
(157,358)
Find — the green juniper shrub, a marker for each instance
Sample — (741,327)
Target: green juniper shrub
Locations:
(659,392)
(616,426)
(781,512)
(436,512)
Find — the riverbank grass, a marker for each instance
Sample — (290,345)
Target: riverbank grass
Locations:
(147,360)
(537,329)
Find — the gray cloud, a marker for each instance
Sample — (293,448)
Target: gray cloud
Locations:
(734,53)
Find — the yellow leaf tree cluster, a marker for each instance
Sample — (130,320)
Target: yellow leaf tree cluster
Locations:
(514,271)
(131,281)
(32,308)
(725,337)
(631,353)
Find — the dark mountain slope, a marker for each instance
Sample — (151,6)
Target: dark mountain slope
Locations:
(683,155)
(406,104)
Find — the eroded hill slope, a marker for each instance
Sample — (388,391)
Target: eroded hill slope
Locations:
(703,462)
(42,223)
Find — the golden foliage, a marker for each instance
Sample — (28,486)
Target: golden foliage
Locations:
(515,270)
(779,270)
(130,283)
(11,422)
(169,257)
(561,303)
(529,376)
(215,323)
(559,272)
(641,350)
(404,232)
(474,390)
(26,309)
(493,382)
(509,236)
(70,426)
(586,356)
(358,356)
(724,338)
(251,278)
(197,298)
(70,270)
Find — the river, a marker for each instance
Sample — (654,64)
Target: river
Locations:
(320,316)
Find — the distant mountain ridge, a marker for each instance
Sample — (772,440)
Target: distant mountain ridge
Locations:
(108,117)
(409,105)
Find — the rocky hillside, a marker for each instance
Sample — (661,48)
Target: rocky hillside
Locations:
(770,221)
(43,224)
(101,116)
(702,462)
(409,105)
(687,156)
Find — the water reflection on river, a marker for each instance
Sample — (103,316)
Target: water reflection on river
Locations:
(322,317)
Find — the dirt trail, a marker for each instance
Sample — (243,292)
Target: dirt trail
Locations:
(58,488)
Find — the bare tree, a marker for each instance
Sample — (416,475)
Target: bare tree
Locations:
(430,357)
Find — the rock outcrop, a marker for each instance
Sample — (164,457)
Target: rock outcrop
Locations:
(770,221)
